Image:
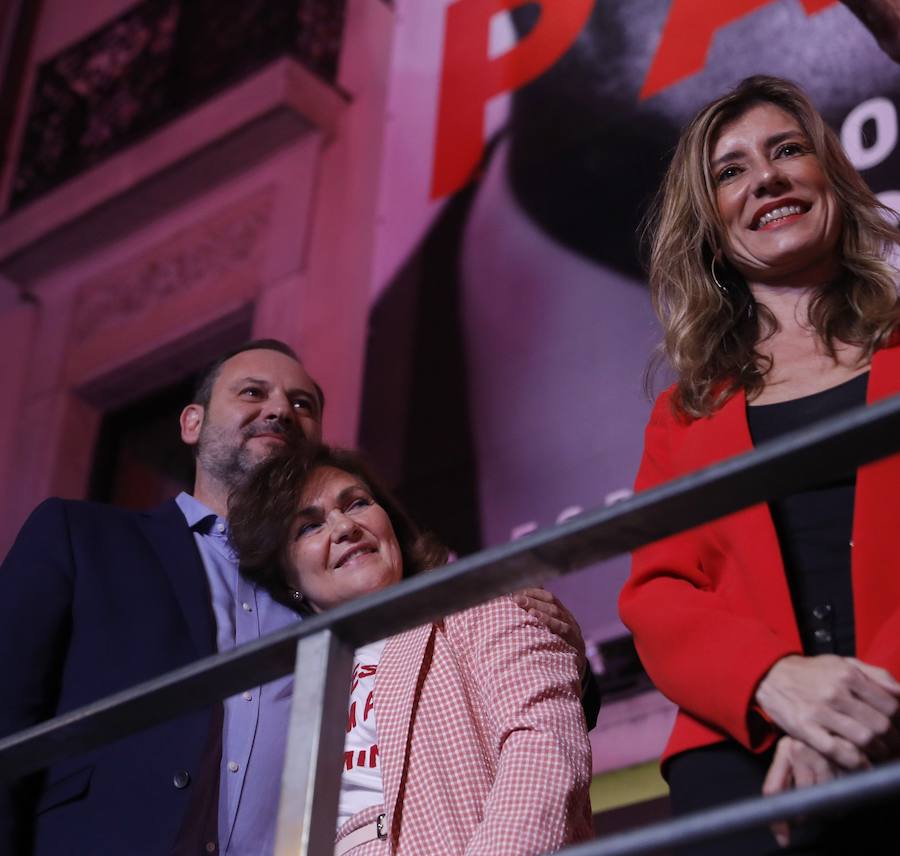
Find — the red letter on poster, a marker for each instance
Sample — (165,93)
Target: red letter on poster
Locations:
(688,32)
(469,78)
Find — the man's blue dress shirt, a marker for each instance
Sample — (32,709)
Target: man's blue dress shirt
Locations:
(256,721)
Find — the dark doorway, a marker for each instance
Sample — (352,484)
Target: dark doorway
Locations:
(140,460)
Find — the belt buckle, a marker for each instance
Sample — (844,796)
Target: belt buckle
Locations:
(379,827)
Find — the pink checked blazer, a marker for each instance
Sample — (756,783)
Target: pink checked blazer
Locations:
(481,737)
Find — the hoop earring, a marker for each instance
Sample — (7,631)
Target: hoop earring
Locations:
(715,279)
(297,596)
(751,309)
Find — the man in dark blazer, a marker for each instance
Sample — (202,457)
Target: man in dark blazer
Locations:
(97,599)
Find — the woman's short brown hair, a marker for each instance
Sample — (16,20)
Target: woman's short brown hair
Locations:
(261,514)
(711,339)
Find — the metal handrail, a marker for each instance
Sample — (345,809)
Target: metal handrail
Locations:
(790,463)
(844,793)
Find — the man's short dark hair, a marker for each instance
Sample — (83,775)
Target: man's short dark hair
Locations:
(206,380)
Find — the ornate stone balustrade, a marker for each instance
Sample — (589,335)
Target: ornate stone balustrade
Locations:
(154,63)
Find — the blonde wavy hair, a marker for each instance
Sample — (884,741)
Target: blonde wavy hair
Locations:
(711,337)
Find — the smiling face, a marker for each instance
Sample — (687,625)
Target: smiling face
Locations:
(259,399)
(342,544)
(780,217)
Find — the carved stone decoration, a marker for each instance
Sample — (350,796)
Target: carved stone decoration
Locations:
(154,63)
(198,257)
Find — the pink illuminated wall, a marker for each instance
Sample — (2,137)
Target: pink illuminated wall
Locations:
(252,213)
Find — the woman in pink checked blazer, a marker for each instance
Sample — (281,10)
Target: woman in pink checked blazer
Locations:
(465,736)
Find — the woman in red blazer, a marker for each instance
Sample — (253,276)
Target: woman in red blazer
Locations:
(465,736)
(775,630)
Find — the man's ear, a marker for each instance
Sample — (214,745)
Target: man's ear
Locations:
(191,422)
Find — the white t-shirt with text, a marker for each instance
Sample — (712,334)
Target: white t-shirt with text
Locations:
(361,785)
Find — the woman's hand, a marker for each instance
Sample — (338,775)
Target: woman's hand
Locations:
(840,707)
(547,609)
(795,765)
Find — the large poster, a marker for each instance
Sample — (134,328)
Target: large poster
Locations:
(511,328)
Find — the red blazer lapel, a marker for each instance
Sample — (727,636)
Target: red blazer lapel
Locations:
(722,435)
(876,529)
(403,661)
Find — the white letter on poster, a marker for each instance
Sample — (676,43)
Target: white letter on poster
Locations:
(882,113)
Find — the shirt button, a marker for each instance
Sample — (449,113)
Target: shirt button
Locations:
(181,779)
(822,611)
(210,846)
(220,528)
(246,607)
(233,766)
(822,636)
(248,697)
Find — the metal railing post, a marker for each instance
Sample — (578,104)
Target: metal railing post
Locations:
(311,779)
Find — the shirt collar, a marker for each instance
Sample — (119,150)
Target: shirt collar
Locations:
(197,515)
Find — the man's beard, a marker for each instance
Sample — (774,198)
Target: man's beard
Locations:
(231,463)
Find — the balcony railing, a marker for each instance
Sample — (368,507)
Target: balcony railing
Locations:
(154,63)
(320,648)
